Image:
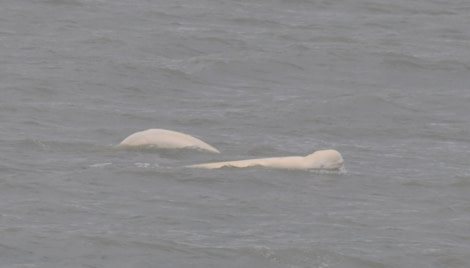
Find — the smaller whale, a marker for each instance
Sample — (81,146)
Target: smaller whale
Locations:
(323,159)
(165,139)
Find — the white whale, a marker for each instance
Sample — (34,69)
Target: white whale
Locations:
(323,159)
(166,139)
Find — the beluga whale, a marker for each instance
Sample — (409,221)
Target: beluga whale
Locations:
(165,139)
(323,159)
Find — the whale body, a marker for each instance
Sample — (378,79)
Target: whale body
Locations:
(166,139)
(323,159)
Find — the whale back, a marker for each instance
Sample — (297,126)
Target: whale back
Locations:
(167,139)
(325,159)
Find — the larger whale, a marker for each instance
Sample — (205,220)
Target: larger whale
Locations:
(166,139)
(323,159)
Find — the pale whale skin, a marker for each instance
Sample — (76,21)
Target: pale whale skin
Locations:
(166,139)
(323,159)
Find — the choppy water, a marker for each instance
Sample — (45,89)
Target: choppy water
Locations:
(385,83)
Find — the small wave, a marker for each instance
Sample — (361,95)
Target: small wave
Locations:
(100,165)
(329,172)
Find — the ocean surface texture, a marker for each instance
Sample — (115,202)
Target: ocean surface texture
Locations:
(386,83)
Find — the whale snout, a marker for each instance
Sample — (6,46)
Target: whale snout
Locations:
(328,159)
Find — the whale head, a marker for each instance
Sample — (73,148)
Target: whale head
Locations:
(325,159)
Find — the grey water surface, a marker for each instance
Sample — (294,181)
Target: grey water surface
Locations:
(386,83)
